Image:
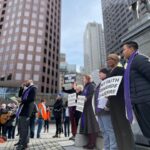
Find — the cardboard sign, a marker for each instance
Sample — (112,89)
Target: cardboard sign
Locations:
(72,100)
(80,103)
(69,78)
(110,86)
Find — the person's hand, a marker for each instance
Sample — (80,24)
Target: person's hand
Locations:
(106,108)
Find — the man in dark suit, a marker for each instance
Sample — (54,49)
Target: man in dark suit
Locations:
(137,86)
(27,93)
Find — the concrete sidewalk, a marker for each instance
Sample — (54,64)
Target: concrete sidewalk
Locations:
(46,142)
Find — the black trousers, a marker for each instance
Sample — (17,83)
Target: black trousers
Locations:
(77,117)
(32,127)
(142,113)
(58,124)
(67,126)
(46,125)
(23,125)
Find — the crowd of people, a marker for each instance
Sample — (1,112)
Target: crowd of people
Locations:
(113,121)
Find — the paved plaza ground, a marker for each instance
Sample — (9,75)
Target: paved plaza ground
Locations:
(46,142)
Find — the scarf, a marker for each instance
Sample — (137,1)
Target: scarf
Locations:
(24,98)
(85,93)
(128,104)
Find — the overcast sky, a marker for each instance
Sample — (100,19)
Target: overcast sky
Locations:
(75,15)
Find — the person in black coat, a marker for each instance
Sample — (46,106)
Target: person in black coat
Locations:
(72,111)
(89,125)
(27,93)
(139,84)
(121,125)
(57,111)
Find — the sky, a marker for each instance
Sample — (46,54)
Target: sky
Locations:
(75,16)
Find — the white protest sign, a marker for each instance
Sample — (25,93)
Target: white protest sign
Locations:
(102,102)
(72,99)
(80,103)
(110,86)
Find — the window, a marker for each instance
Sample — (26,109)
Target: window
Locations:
(32,30)
(27,6)
(39,40)
(18,21)
(10,31)
(17,29)
(26,14)
(28,67)
(36,77)
(22,47)
(12,23)
(41,17)
(40,32)
(43,79)
(44,69)
(18,76)
(14,47)
(9,39)
(26,21)
(12,56)
(21,56)
(27,77)
(19,66)
(6,57)
(19,14)
(16,38)
(29,57)
(47,90)
(37,67)
(25,29)
(31,39)
(30,48)
(38,49)
(35,8)
(23,38)
(33,23)
(34,15)
(41,24)
(42,89)
(38,58)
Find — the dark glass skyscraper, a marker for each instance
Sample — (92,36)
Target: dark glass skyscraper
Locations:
(116,17)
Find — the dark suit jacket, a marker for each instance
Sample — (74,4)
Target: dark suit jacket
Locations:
(28,105)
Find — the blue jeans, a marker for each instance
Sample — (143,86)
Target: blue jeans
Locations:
(106,127)
(40,124)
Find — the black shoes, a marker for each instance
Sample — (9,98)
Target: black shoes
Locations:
(21,147)
(55,136)
(16,144)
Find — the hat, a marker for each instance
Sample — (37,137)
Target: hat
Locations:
(114,57)
(104,70)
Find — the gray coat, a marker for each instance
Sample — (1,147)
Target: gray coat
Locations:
(88,121)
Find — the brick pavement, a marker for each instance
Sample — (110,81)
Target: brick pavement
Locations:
(46,142)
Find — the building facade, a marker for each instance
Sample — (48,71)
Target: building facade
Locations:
(94,47)
(30,43)
(117,17)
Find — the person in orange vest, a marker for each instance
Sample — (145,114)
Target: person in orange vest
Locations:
(41,116)
(46,122)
